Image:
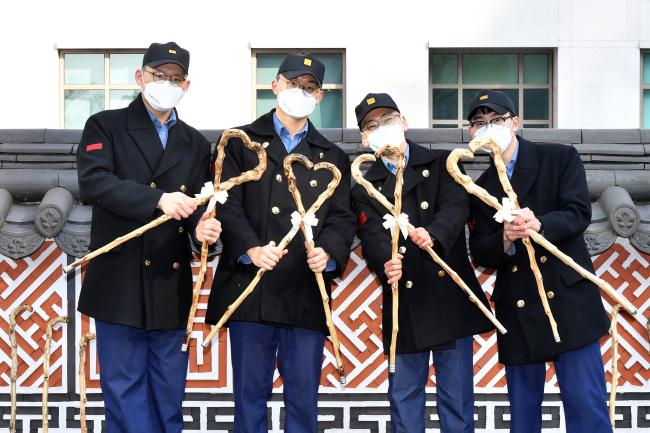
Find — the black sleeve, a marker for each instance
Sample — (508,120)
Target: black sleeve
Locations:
(238,235)
(99,186)
(375,239)
(338,229)
(573,211)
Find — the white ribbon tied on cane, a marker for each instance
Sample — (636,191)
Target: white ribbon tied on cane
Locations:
(215,196)
(309,220)
(402,220)
(507,212)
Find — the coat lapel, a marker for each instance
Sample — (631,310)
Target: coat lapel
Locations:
(526,169)
(144,134)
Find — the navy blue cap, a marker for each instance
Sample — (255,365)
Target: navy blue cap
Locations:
(497,101)
(295,65)
(371,102)
(170,52)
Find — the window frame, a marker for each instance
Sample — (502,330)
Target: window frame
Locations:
(267,86)
(520,86)
(106,86)
(644,87)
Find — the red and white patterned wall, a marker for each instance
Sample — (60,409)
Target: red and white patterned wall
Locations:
(39,280)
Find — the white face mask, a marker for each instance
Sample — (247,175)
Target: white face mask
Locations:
(162,96)
(502,135)
(296,103)
(390,134)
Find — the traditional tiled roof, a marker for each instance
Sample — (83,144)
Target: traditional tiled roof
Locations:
(39,194)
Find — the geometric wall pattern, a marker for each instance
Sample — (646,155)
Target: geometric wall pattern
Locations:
(360,407)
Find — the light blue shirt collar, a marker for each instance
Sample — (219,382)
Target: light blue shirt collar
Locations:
(282,132)
(510,168)
(392,167)
(163,130)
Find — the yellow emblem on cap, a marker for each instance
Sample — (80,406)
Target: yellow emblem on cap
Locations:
(307,62)
(484,97)
(370,101)
(172,51)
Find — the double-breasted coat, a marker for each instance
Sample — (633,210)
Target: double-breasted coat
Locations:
(433,310)
(550,180)
(123,171)
(259,212)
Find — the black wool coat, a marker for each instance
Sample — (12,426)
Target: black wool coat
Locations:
(550,180)
(123,171)
(259,212)
(433,310)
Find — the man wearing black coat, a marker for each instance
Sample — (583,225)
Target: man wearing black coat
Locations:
(551,186)
(436,318)
(132,163)
(282,320)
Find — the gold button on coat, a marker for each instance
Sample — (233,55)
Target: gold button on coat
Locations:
(147,262)
(275,210)
(183,188)
(425,173)
(521,303)
(313,183)
(424,205)
(278,177)
(152,184)
(408,284)
(441,273)
(514,268)
(402,249)
(176,266)
(321,155)
(550,294)
(543,259)
(181,230)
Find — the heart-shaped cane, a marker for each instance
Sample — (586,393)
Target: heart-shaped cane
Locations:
(216,193)
(261,271)
(83,343)
(372,191)
(14,360)
(206,196)
(46,364)
(484,196)
(307,233)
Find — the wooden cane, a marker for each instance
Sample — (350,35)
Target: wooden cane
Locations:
(469,185)
(293,189)
(46,364)
(14,360)
(261,271)
(252,175)
(83,343)
(224,186)
(372,191)
(613,331)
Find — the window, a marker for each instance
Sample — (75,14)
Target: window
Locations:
(645,89)
(457,76)
(330,112)
(92,81)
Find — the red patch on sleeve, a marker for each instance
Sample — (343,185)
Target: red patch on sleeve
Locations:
(471,223)
(94,146)
(362,219)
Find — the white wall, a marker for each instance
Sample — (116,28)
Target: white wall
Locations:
(597,42)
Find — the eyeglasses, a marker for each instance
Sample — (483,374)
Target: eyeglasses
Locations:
(159,77)
(387,120)
(312,89)
(496,121)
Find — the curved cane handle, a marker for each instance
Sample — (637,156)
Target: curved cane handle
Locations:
(293,188)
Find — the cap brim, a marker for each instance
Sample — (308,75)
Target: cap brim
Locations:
(374,107)
(159,62)
(290,75)
(497,108)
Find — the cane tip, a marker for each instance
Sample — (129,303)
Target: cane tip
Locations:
(503,331)
(206,343)
(183,347)
(66,269)
(391,369)
(558,339)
